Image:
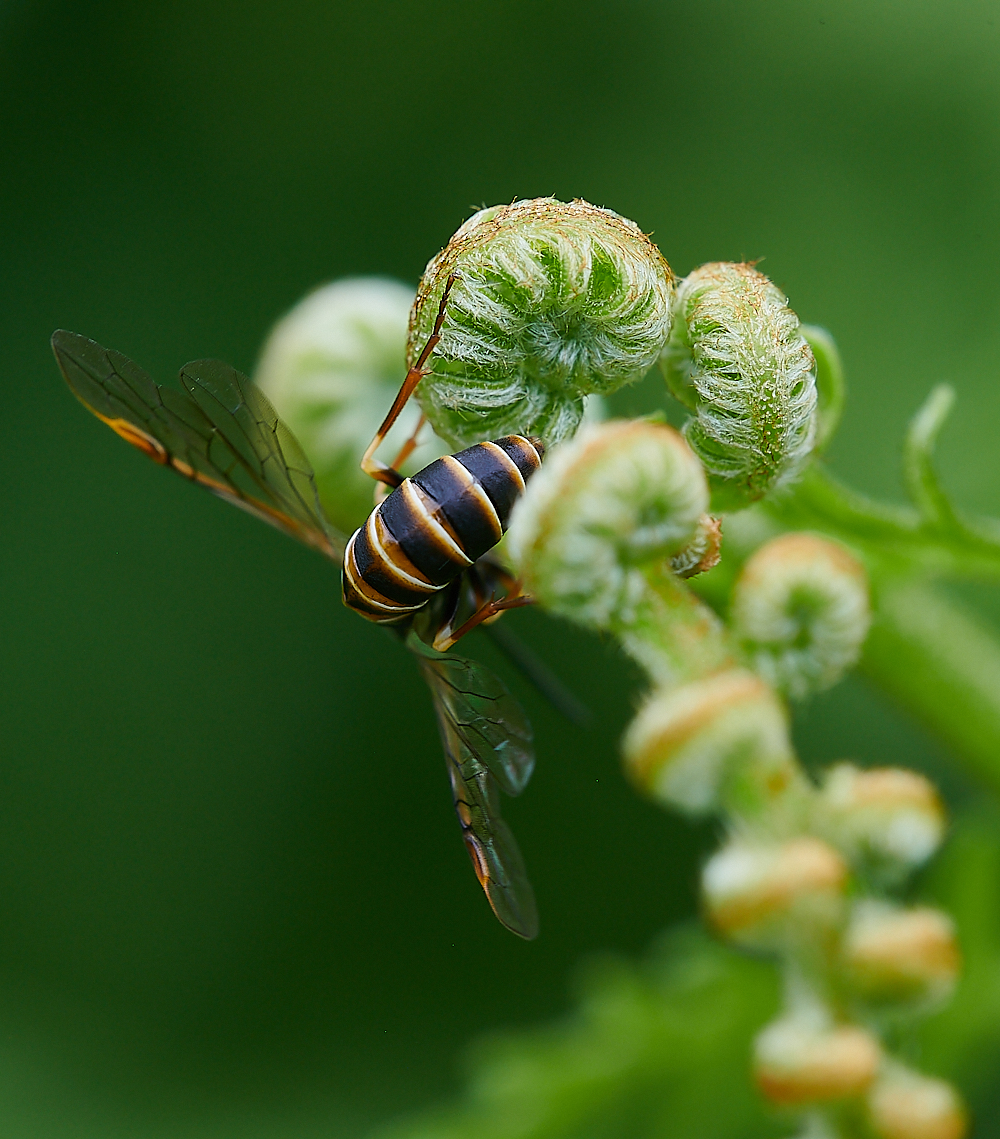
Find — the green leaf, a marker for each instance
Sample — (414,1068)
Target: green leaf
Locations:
(660,1049)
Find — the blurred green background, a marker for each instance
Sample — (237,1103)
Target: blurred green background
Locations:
(233,899)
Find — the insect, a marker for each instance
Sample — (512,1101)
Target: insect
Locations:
(437,526)
(421,563)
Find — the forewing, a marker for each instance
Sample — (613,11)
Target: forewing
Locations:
(220,432)
(475,788)
(489,721)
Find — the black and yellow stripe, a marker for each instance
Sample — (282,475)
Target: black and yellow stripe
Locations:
(435,525)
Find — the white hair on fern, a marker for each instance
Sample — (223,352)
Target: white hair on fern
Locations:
(620,495)
(801,612)
(553,301)
(738,359)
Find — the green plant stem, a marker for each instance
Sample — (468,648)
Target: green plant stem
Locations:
(943,666)
(927,652)
(898,536)
(670,631)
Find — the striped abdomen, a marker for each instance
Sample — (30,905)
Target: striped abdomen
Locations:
(435,525)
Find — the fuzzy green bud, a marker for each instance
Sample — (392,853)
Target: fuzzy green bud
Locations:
(800,611)
(717,743)
(768,895)
(620,495)
(331,367)
(594,534)
(904,1104)
(737,358)
(552,301)
(797,1061)
(886,819)
(895,955)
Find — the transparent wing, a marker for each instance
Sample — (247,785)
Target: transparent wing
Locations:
(485,751)
(489,720)
(220,432)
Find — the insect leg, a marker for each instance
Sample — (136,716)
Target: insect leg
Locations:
(369,464)
(446,638)
(382,489)
(486,571)
(409,446)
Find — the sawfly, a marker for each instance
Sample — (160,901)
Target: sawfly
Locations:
(421,564)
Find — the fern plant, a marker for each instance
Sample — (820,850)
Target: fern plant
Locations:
(739,573)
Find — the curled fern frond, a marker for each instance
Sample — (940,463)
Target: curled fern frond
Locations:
(737,358)
(552,301)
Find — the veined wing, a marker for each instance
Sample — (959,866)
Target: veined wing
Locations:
(489,720)
(484,752)
(220,432)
